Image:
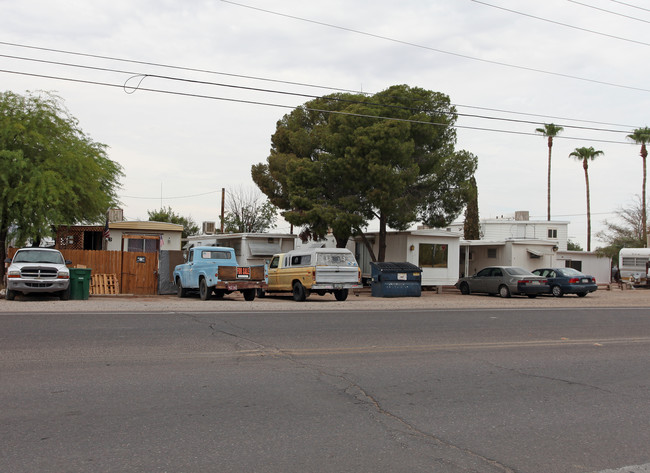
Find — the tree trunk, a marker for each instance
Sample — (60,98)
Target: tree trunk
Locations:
(585,165)
(644,155)
(548,184)
(368,245)
(3,254)
(382,239)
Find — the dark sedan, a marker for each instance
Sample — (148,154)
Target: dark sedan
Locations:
(503,280)
(567,281)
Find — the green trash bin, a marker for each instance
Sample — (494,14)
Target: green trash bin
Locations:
(79,283)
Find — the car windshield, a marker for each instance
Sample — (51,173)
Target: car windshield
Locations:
(518,272)
(39,256)
(334,259)
(569,272)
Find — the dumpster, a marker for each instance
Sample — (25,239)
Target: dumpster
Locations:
(79,283)
(395,280)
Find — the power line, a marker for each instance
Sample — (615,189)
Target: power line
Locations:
(169,66)
(256,89)
(169,198)
(609,11)
(334,112)
(442,51)
(255,78)
(561,24)
(630,5)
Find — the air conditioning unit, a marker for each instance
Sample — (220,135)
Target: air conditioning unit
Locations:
(208,228)
(115,215)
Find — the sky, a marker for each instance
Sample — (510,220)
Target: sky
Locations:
(186,94)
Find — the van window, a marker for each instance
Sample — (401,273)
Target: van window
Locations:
(335,259)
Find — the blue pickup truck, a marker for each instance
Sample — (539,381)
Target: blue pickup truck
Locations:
(214,270)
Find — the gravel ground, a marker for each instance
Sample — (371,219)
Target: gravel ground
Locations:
(450,298)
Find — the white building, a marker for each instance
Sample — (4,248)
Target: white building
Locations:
(530,244)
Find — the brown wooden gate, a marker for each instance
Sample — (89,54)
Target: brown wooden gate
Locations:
(139,272)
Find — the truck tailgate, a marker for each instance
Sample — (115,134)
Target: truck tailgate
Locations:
(337,274)
(234,273)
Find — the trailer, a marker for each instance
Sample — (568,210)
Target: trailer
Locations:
(633,265)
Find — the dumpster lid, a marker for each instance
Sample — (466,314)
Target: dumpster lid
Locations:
(388,267)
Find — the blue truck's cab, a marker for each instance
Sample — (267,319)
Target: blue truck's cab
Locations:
(214,270)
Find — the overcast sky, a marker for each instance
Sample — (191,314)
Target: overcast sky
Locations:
(508,65)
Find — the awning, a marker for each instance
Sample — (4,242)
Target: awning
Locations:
(534,253)
(263,248)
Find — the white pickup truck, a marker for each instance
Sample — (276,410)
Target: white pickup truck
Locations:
(38,270)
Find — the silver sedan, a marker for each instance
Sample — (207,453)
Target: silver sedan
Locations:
(505,281)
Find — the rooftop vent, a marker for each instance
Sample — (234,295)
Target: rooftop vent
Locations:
(522,215)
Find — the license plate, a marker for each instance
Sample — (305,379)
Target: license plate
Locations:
(585,281)
(231,287)
(535,283)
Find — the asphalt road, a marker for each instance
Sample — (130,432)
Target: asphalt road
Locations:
(499,390)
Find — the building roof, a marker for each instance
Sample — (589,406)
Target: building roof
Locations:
(146,225)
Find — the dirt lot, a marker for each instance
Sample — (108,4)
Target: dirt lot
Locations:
(449,299)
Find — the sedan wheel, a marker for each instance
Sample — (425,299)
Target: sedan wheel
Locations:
(557,291)
(504,291)
(464,288)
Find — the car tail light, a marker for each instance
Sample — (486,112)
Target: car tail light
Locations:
(574,280)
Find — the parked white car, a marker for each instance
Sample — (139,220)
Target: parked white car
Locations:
(38,270)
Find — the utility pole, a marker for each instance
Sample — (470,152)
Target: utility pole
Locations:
(223,206)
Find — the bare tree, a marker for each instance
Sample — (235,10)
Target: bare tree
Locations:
(626,232)
(248,211)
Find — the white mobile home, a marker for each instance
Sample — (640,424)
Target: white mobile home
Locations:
(435,251)
(250,248)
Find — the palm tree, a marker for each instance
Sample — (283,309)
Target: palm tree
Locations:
(585,155)
(641,136)
(550,130)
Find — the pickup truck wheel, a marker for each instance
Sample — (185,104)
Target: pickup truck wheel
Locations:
(205,292)
(260,292)
(180,290)
(65,294)
(249,294)
(299,293)
(10,295)
(341,294)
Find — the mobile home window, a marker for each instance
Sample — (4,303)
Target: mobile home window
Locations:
(552,232)
(433,255)
(492,253)
(142,245)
